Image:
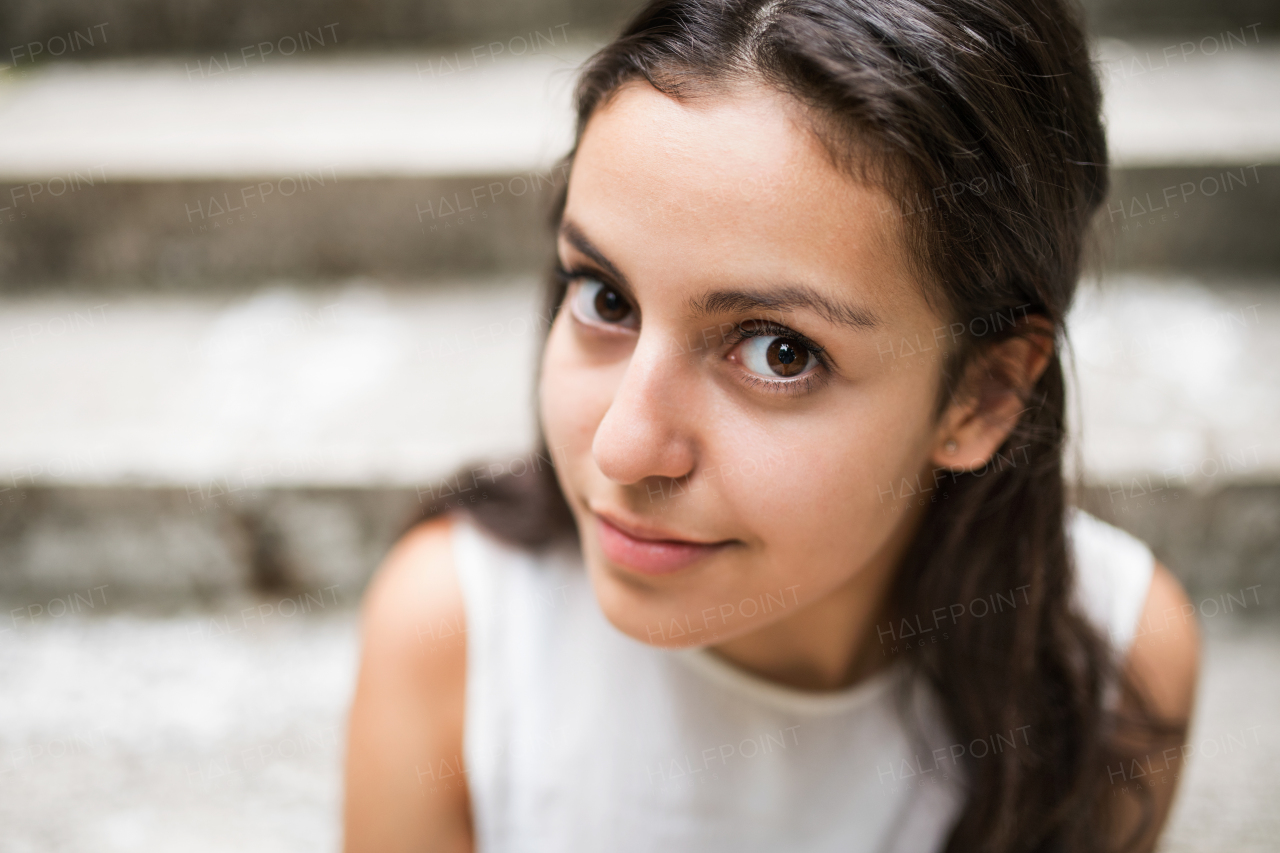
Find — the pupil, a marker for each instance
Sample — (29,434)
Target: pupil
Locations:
(610,305)
(784,357)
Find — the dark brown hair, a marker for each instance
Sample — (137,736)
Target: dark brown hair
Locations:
(982,118)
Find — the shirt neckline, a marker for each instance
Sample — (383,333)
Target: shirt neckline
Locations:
(813,702)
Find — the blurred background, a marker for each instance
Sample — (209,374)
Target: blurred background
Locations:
(268,272)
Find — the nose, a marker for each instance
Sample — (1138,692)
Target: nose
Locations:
(646,430)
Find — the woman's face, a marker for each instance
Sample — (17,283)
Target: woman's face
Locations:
(734,417)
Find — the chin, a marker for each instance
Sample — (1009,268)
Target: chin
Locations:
(664,618)
(647,615)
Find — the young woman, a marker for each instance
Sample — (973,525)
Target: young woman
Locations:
(801,575)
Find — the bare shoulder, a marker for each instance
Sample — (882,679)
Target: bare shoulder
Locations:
(416,584)
(1164,664)
(404,778)
(1165,655)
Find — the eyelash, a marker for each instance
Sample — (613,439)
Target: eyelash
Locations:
(568,276)
(759,328)
(768,329)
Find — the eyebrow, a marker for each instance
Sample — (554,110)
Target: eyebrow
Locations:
(785,298)
(571,232)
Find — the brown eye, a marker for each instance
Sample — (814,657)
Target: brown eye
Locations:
(773,356)
(786,358)
(610,305)
(596,303)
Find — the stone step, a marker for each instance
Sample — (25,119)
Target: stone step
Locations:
(390,165)
(406,165)
(1194,127)
(74,29)
(1182,20)
(198,445)
(392,115)
(362,384)
(61,29)
(203,730)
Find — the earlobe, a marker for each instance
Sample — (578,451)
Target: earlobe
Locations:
(993,398)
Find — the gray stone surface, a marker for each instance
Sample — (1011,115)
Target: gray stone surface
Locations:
(363,384)
(168,26)
(1211,102)
(227,236)
(1176,377)
(359,116)
(408,165)
(203,26)
(216,731)
(176,546)
(1232,782)
(1207,219)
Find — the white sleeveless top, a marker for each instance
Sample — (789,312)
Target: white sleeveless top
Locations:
(579,739)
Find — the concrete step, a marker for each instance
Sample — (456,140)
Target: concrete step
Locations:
(1177,375)
(1194,127)
(159,26)
(162,27)
(201,731)
(362,384)
(224,729)
(390,165)
(197,446)
(1182,20)
(180,447)
(389,115)
(397,166)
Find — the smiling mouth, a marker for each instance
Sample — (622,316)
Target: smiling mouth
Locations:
(650,552)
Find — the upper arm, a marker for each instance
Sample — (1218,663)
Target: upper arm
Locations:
(1164,658)
(405,788)
(1163,662)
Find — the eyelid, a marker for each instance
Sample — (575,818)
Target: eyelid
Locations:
(589,269)
(572,277)
(772,329)
(794,386)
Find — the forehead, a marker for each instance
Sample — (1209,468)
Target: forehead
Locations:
(732,186)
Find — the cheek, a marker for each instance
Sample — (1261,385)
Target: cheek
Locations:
(820,505)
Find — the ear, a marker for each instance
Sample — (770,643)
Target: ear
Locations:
(991,397)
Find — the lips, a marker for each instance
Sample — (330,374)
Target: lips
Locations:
(647,551)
